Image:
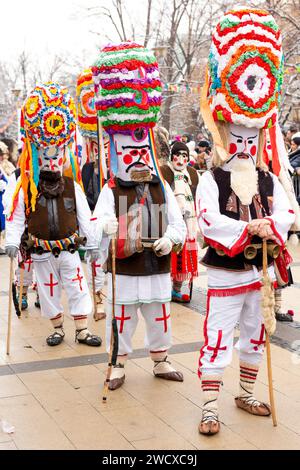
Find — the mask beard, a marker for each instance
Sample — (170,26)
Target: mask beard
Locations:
(50,176)
(243,181)
(141,176)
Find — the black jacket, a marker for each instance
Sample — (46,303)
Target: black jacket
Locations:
(294,158)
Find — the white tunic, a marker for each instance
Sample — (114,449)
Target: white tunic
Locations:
(144,289)
(231,235)
(15,227)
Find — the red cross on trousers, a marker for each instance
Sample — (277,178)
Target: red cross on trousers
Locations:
(29,263)
(261,338)
(122,319)
(217,348)
(164,318)
(94,268)
(78,278)
(51,284)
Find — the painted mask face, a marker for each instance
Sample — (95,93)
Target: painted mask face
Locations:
(243,144)
(134,158)
(180,160)
(51,159)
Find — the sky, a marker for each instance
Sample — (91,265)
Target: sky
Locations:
(45,27)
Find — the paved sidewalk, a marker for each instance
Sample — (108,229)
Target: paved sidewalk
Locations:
(53,396)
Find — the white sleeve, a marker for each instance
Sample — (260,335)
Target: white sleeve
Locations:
(84,217)
(282,216)
(219,231)
(15,227)
(104,210)
(176,229)
(8,193)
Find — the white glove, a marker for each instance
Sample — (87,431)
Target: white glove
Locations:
(2,185)
(163,246)
(92,254)
(110,226)
(11,251)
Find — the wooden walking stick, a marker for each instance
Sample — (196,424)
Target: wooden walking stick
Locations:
(94,288)
(270,324)
(113,350)
(21,286)
(11,273)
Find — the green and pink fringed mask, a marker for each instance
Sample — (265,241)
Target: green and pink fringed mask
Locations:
(127,87)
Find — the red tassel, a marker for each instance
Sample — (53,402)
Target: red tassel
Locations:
(275,157)
(234,290)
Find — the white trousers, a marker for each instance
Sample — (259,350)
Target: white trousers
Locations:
(158,325)
(53,275)
(95,270)
(28,279)
(222,315)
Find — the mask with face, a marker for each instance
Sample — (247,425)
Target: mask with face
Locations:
(128,98)
(243,145)
(48,129)
(179,156)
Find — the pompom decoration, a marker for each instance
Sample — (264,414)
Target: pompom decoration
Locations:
(246,69)
(85,101)
(48,116)
(127,88)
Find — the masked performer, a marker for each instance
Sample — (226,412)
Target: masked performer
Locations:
(139,202)
(87,125)
(183,180)
(239,202)
(54,209)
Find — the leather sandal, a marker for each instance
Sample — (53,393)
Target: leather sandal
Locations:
(89,339)
(56,338)
(209,424)
(174,375)
(116,383)
(253,406)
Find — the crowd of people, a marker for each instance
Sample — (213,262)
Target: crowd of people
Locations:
(141,204)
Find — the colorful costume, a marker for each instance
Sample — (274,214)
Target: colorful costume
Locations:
(87,125)
(183,180)
(128,91)
(54,208)
(239,202)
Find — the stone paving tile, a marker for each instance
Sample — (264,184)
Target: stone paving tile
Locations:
(137,423)
(11,386)
(34,428)
(170,442)
(10,445)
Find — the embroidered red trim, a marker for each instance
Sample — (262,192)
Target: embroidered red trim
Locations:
(235,290)
(237,248)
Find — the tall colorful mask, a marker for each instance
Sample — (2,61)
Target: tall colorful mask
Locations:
(48,128)
(87,115)
(128,99)
(49,116)
(246,69)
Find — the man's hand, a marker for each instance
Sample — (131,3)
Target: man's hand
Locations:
(267,233)
(11,251)
(262,228)
(163,246)
(110,226)
(256,225)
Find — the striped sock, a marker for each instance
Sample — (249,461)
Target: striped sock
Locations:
(278,300)
(248,374)
(57,321)
(210,385)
